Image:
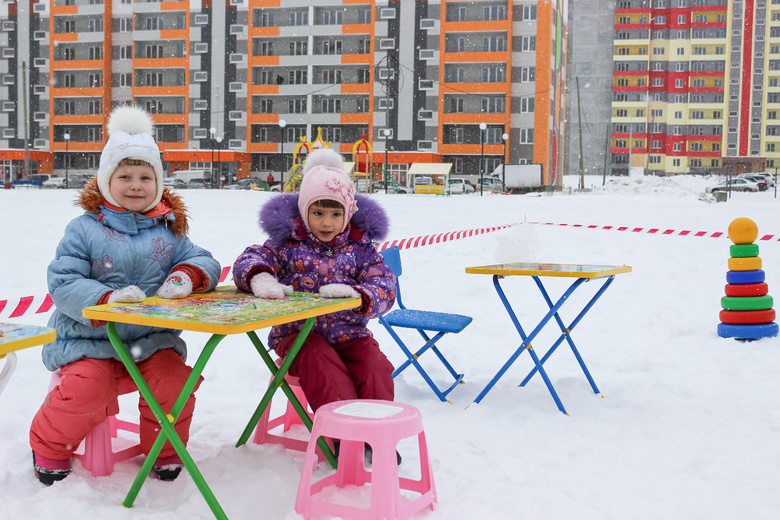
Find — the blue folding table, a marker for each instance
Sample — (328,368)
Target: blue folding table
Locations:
(581,273)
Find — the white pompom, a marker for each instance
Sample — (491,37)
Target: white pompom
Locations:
(324,157)
(132,120)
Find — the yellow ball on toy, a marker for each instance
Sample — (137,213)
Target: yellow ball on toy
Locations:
(743,231)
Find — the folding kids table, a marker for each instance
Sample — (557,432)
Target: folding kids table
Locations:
(582,273)
(220,312)
(15,337)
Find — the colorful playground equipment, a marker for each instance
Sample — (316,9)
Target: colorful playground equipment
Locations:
(747,307)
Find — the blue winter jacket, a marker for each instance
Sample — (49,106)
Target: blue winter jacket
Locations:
(104,250)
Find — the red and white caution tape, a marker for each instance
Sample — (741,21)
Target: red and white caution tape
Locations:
(44,304)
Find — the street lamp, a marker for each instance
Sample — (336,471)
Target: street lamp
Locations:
(67,156)
(219,164)
(503,166)
(482,127)
(386,133)
(282,124)
(213,132)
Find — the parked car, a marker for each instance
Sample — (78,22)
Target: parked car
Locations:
(78,181)
(736,184)
(199,183)
(491,183)
(769,177)
(761,182)
(174,182)
(379,186)
(244,184)
(460,186)
(54,183)
(275,186)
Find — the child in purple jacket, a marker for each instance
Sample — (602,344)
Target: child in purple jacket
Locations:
(320,241)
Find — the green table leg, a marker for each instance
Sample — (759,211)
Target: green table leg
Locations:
(166,421)
(278,381)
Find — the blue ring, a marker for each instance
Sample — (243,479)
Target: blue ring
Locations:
(745,277)
(762,330)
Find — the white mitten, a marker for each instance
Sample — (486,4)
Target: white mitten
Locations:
(265,285)
(129,294)
(177,285)
(338,290)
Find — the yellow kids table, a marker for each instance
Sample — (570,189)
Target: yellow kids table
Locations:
(581,273)
(223,311)
(15,337)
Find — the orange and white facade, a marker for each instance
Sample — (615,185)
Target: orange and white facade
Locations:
(241,82)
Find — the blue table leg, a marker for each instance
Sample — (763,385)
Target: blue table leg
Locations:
(526,344)
(566,332)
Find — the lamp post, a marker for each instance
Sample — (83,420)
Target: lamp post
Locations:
(482,127)
(219,164)
(503,166)
(66,136)
(386,132)
(282,124)
(213,132)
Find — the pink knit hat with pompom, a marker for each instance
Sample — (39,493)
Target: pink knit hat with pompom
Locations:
(324,178)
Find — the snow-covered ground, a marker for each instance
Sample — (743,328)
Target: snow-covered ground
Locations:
(687,427)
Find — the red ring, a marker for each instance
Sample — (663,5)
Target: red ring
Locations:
(748,289)
(747,317)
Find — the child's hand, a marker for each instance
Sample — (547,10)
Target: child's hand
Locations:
(338,290)
(129,294)
(265,286)
(178,285)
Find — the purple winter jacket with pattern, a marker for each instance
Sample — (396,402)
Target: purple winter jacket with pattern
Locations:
(297,258)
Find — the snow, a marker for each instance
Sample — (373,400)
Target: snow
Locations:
(687,427)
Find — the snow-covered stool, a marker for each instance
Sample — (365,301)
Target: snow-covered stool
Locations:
(99,456)
(287,420)
(381,424)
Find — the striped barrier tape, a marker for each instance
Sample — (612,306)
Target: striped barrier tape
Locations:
(44,304)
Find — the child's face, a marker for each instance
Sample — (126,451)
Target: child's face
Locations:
(325,223)
(133,187)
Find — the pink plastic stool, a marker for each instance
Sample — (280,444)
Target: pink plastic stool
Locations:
(99,457)
(381,424)
(287,420)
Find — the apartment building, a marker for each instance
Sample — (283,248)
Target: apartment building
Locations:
(233,86)
(695,81)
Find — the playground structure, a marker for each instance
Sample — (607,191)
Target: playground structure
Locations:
(747,307)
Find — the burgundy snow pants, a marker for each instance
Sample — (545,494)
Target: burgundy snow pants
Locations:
(88,392)
(355,369)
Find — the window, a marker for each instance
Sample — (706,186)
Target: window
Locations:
(386,103)
(528,74)
(425,115)
(493,44)
(526,105)
(363,106)
(201,48)
(493,105)
(331,47)
(331,76)
(297,48)
(387,13)
(200,76)
(529,43)
(526,135)
(331,106)
(299,18)
(529,12)
(125,52)
(427,54)
(493,75)
(297,106)
(387,43)
(456,105)
(332,17)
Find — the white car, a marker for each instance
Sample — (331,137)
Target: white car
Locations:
(736,184)
(54,183)
(460,186)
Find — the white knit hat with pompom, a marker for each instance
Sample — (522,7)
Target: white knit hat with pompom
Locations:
(130,137)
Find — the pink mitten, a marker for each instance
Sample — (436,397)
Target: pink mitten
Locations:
(265,285)
(178,285)
(129,294)
(338,290)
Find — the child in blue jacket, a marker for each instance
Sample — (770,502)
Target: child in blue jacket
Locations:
(130,243)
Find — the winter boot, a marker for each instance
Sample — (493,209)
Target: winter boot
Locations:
(49,471)
(168,468)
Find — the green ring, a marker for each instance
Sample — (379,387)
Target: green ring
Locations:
(751,303)
(743,250)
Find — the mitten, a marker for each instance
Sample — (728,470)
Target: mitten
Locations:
(264,285)
(338,290)
(129,294)
(178,285)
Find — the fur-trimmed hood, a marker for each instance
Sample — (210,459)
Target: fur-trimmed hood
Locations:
(171,206)
(281,220)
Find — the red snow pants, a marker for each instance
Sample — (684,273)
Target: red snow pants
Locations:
(88,392)
(355,369)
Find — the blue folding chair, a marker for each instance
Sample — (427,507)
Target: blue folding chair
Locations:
(437,323)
